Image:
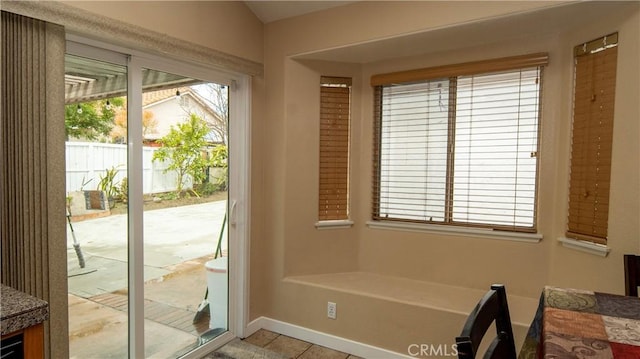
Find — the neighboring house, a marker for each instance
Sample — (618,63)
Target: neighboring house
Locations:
(173,106)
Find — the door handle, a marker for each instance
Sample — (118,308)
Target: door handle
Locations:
(232,213)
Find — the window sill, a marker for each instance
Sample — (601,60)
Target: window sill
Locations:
(458,231)
(337,224)
(584,246)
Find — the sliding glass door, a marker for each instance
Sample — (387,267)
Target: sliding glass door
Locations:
(166,247)
(97,206)
(184,180)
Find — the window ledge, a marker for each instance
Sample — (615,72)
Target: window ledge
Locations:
(458,231)
(584,246)
(337,224)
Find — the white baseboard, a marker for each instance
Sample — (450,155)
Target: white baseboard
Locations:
(323,339)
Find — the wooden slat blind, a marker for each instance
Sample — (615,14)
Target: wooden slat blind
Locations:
(335,97)
(467,68)
(594,97)
(460,150)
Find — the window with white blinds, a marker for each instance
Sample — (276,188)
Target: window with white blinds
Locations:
(460,150)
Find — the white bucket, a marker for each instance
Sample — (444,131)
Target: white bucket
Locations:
(218,284)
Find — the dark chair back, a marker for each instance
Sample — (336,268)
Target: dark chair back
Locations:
(631,274)
(492,308)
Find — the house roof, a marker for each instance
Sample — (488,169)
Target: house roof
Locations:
(152,97)
(155,97)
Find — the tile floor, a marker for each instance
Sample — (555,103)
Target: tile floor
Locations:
(294,348)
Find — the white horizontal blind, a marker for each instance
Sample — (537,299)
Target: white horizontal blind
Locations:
(413,151)
(496,142)
(461,150)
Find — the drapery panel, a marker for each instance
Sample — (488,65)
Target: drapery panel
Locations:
(32,203)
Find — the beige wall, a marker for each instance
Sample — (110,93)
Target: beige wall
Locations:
(290,245)
(227,26)
(285,104)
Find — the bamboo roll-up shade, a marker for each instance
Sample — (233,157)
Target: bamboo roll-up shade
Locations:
(334,148)
(467,68)
(592,138)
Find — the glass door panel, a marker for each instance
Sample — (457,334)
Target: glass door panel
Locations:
(184,129)
(97,206)
(147,180)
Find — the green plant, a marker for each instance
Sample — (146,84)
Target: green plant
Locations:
(69,199)
(169,196)
(123,190)
(182,148)
(107,182)
(219,158)
(91,120)
(207,188)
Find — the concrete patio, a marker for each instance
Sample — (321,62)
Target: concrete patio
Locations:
(178,241)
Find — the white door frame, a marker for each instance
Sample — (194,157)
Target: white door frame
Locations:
(239,180)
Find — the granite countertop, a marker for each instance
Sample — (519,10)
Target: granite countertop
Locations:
(19,310)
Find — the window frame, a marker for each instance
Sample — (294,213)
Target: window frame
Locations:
(538,60)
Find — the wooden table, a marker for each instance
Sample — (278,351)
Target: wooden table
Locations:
(572,323)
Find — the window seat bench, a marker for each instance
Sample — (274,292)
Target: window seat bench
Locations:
(417,310)
(418,293)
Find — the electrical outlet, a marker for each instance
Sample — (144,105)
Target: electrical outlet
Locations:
(331,310)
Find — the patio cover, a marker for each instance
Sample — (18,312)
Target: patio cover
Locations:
(90,80)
